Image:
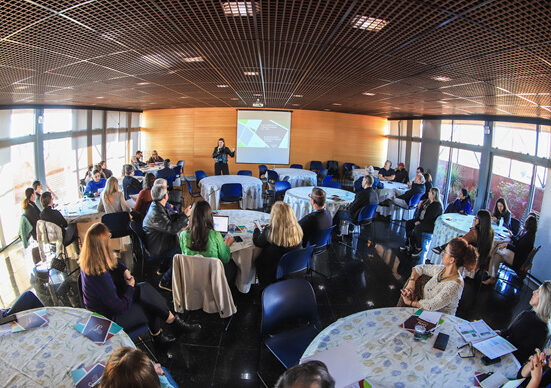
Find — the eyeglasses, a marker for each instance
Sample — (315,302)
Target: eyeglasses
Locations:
(465,350)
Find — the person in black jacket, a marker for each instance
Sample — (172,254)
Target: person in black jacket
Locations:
(529,330)
(417,187)
(516,252)
(282,235)
(52,215)
(30,210)
(366,197)
(387,173)
(428,212)
(130,185)
(428,185)
(319,219)
(220,156)
(401,175)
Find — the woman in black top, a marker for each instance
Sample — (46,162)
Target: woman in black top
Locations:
(30,210)
(501,211)
(220,156)
(282,235)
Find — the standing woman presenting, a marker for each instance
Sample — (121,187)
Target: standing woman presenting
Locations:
(220,155)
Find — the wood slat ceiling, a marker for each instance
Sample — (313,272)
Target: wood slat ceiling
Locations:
(494,55)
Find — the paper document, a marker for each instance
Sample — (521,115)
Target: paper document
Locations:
(475,331)
(494,347)
(431,316)
(343,363)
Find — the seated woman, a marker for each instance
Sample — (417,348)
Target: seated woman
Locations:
(129,367)
(462,204)
(516,252)
(529,330)
(144,196)
(283,234)
(155,158)
(445,286)
(200,238)
(30,210)
(537,369)
(501,212)
(428,185)
(108,288)
(111,199)
(49,214)
(423,222)
(97,182)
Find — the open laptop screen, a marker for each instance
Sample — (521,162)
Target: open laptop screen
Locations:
(221,223)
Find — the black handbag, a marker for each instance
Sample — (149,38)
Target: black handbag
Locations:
(58,263)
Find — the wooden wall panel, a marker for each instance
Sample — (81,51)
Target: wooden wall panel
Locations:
(191,134)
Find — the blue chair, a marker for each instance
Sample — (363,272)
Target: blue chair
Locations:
(142,258)
(367,213)
(284,303)
(231,192)
(138,173)
(191,192)
(333,168)
(272,176)
(199,174)
(328,182)
(177,170)
(315,165)
(280,187)
(299,166)
(117,223)
(181,164)
(293,262)
(322,173)
(262,168)
(321,240)
(245,172)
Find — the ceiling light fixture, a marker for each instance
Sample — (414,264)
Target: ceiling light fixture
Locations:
(368,94)
(441,78)
(193,59)
(298,95)
(184,97)
(250,72)
(100,97)
(257,95)
(222,86)
(258,104)
(142,83)
(234,99)
(368,23)
(21,87)
(240,8)
(296,104)
(336,104)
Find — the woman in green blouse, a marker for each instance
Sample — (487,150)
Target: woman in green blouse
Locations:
(200,238)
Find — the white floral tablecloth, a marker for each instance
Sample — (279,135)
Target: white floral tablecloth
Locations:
(298,177)
(391,190)
(451,225)
(45,356)
(357,173)
(81,210)
(391,358)
(299,200)
(244,253)
(252,190)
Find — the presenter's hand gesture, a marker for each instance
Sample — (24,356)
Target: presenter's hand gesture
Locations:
(233,150)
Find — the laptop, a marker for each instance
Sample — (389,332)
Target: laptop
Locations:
(221,224)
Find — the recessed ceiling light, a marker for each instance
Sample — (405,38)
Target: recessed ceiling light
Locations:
(368,94)
(142,83)
(21,87)
(257,94)
(327,110)
(368,23)
(193,59)
(184,97)
(240,8)
(250,72)
(222,86)
(296,104)
(234,99)
(442,102)
(298,95)
(100,97)
(441,78)
(336,104)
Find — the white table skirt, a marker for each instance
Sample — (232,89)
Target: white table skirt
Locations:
(357,173)
(45,356)
(252,190)
(391,358)
(244,253)
(298,177)
(299,201)
(451,225)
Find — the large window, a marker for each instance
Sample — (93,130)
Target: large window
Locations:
(21,122)
(58,120)
(61,169)
(442,173)
(464,173)
(516,137)
(511,180)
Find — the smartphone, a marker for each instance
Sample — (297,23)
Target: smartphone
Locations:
(237,239)
(488,361)
(441,341)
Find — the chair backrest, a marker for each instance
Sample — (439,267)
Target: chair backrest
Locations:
(245,172)
(528,263)
(281,187)
(316,165)
(272,176)
(48,234)
(328,182)
(287,301)
(294,261)
(322,173)
(190,189)
(299,166)
(367,212)
(230,192)
(358,185)
(323,237)
(181,164)
(117,223)
(199,174)
(414,201)
(262,168)
(347,166)
(177,170)
(515,225)
(332,165)
(138,173)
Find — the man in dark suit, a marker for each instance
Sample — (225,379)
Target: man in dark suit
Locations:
(130,185)
(366,197)
(319,219)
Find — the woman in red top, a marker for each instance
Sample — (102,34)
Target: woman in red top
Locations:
(144,196)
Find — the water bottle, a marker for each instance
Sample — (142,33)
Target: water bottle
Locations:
(500,223)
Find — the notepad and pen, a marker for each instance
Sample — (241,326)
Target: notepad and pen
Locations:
(484,339)
(430,319)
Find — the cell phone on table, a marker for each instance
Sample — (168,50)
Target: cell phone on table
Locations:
(489,361)
(237,239)
(441,341)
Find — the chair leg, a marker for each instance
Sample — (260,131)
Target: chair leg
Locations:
(230,319)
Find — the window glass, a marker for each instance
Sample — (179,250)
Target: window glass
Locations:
(446,130)
(58,120)
(511,180)
(97,119)
(468,132)
(442,172)
(464,173)
(540,181)
(544,141)
(61,170)
(116,151)
(21,122)
(96,149)
(517,137)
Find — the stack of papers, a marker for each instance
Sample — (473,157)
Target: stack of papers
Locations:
(484,339)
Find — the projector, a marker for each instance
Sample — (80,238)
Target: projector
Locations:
(258,104)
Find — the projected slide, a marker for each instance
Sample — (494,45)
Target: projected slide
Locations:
(263,136)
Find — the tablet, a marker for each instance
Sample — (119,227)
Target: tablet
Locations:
(221,223)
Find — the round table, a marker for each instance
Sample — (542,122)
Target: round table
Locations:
(357,173)
(391,358)
(451,225)
(299,200)
(391,190)
(252,190)
(45,356)
(244,253)
(298,177)
(83,210)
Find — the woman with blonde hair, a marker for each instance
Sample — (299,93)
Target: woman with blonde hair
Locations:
(282,235)
(109,289)
(112,199)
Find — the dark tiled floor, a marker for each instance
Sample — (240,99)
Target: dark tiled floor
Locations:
(359,278)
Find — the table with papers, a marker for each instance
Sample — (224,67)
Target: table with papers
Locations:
(377,349)
(299,200)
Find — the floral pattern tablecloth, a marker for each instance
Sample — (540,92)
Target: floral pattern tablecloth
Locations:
(45,356)
(391,190)
(244,253)
(299,200)
(391,358)
(451,225)
(81,210)
(252,190)
(298,177)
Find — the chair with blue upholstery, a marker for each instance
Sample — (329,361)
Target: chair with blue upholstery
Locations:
(262,168)
(299,166)
(399,213)
(199,174)
(117,223)
(231,192)
(315,165)
(245,172)
(138,173)
(322,240)
(293,262)
(181,164)
(322,173)
(365,217)
(358,185)
(333,168)
(177,170)
(284,303)
(272,176)
(192,193)
(280,187)
(329,182)
(142,258)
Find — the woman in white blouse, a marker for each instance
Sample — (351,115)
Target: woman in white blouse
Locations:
(112,199)
(443,291)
